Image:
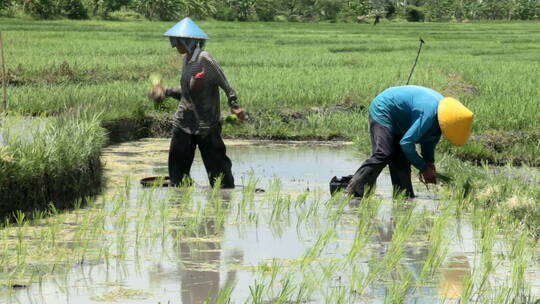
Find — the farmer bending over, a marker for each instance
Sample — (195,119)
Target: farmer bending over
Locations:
(197,119)
(400,118)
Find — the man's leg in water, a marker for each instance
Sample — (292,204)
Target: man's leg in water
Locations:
(382,145)
(181,154)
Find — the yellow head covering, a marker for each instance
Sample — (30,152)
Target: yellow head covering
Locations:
(455,120)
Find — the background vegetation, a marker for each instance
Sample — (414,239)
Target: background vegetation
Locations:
(296,80)
(275,10)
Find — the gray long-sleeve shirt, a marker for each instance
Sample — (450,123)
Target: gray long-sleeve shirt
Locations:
(199,111)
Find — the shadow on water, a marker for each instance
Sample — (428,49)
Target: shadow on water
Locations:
(292,243)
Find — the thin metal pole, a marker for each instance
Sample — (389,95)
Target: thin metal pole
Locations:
(4,76)
(416,60)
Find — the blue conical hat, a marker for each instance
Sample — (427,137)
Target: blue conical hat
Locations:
(186,29)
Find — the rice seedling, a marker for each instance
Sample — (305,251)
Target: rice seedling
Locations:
(274,190)
(280,215)
(336,212)
(487,240)
(315,251)
(309,212)
(520,259)
(257,292)
(248,196)
(337,295)
(400,287)
(405,226)
(365,226)
(272,269)
(438,243)
(224,294)
(302,295)
(286,292)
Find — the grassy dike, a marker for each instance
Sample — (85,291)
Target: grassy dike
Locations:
(297,81)
(47,161)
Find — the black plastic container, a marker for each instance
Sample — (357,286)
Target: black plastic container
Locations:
(156,181)
(338,183)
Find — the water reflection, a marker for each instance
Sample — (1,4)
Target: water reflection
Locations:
(456,266)
(206,252)
(414,254)
(199,284)
(453,274)
(199,255)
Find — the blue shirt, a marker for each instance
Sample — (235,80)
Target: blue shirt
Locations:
(410,111)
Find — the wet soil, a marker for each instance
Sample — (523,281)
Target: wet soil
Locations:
(499,142)
(457,85)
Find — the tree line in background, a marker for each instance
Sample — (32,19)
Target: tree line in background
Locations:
(276,10)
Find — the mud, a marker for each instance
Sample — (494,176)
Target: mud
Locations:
(457,85)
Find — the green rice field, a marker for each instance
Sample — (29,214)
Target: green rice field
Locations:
(77,227)
(296,80)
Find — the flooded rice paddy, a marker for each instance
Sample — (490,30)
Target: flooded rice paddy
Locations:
(291,243)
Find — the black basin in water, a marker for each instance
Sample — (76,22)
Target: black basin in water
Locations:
(156,181)
(338,183)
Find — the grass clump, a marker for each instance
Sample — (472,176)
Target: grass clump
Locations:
(46,160)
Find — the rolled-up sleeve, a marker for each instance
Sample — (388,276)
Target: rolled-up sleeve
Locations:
(215,75)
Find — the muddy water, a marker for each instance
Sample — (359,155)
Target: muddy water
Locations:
(191,268)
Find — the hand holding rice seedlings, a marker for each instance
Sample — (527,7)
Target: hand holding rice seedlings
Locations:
(157,91)
(231,119)
(155,79)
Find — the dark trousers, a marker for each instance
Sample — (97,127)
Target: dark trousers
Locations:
(216,162)
(386,151)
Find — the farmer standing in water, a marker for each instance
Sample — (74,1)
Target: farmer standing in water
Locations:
(197,119)
(400,118)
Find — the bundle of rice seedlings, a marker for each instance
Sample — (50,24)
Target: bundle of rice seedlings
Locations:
(157,91)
